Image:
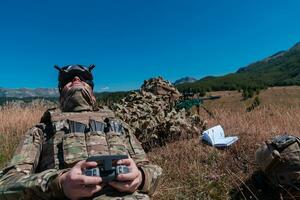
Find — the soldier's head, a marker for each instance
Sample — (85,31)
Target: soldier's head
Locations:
(75,84)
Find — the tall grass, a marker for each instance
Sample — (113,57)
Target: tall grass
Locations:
(193,170)
(15,119)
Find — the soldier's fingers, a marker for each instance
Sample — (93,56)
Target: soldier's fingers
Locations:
(127,162)
(89,180)
(88,191)
(96,189)
(120,186)
(77,167)
(128,177)
(79,164)
(86,165)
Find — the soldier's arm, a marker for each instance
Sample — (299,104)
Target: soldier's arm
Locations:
(18,180)
(151,173)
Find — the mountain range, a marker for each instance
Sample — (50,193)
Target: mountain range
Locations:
(185,80)
(27,93)
(280,69)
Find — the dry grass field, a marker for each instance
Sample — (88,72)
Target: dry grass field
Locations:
(193,170)
(15,119)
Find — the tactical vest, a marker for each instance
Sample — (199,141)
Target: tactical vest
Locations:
(73,136)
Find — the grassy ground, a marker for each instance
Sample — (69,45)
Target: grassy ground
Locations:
(193,170)
(14,121)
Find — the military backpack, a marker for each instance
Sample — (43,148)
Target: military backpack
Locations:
(279,159)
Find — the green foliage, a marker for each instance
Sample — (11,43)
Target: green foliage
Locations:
(247,93)
(4,100)
(108,98)
(255,103)
(200,91)
(187,103)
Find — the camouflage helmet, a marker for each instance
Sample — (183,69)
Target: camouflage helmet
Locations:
(67,73)
(279,159)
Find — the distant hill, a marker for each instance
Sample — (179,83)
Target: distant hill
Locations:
(185,80)
(108,98)
(28,93)
(280,69)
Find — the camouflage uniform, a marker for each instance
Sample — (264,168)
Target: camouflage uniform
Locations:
(49,149)
(151,113)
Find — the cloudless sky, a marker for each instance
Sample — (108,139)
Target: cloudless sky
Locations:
(133,40)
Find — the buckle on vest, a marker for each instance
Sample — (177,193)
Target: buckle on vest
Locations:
(283,141)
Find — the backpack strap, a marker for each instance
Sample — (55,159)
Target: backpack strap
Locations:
(283,141)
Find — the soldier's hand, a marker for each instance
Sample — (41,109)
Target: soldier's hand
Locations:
(76,185)
(129,182)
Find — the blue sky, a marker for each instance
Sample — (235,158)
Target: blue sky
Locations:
(133,40)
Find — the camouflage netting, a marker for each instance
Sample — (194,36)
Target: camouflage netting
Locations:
(152,113)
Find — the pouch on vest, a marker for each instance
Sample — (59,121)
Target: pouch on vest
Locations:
(74,144)
(96,139)
(115,137)
(283,141)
